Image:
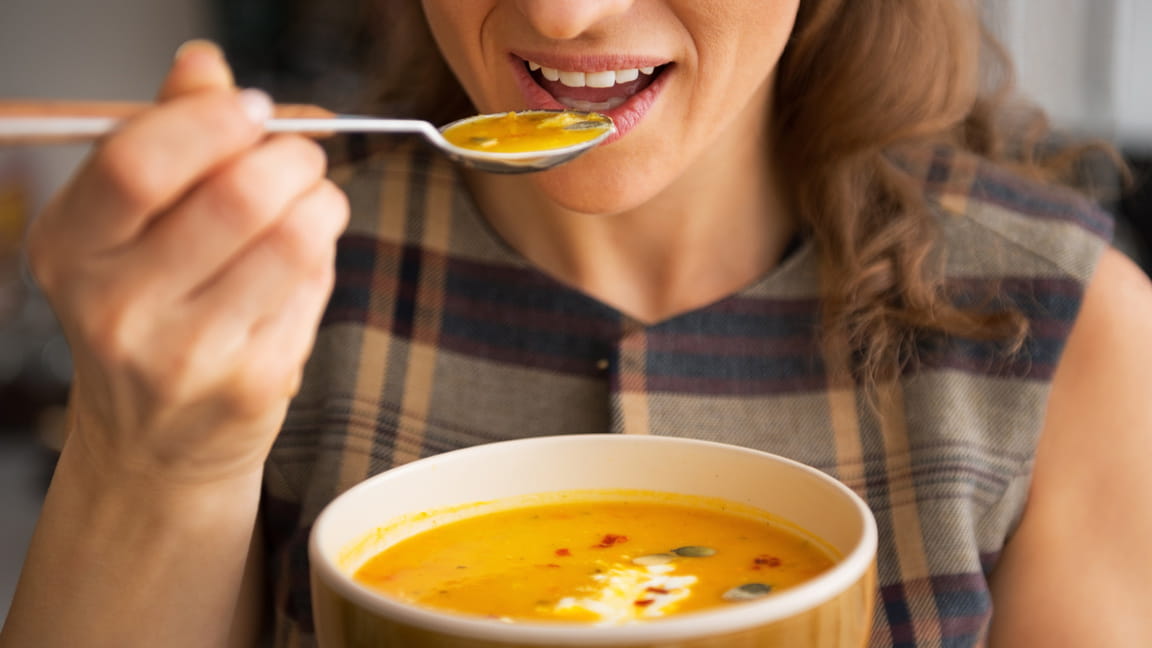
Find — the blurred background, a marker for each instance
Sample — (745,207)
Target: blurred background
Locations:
(1085,61)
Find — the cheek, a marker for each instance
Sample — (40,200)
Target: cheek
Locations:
(456,27)
(732,77)
(748,50)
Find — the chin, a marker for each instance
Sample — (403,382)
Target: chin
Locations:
(602,183)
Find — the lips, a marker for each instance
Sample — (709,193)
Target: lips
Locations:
(600,90)
(622,89)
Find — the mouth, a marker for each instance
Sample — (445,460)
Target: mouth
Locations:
(623,90)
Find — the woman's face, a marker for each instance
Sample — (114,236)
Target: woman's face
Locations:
(673,74)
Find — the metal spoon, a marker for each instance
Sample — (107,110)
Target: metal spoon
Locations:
(39,122)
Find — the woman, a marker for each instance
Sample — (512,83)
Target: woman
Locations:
(796,244)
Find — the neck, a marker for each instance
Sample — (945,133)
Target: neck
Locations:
(715,230)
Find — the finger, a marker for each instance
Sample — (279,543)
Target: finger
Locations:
(296,250)
(267,368)
(198,65)
(279,347)
(228,212)
(153,161)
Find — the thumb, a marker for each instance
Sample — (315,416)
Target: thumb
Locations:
(199,65)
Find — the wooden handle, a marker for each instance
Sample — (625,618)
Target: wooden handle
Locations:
(47,108)
(123,109)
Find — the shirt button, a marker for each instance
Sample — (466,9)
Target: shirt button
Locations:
(602,364)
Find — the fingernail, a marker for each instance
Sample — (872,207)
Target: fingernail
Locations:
(198,45)
(257,104)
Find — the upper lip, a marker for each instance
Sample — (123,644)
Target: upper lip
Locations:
(591,62)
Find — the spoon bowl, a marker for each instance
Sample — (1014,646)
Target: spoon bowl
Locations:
(579,132)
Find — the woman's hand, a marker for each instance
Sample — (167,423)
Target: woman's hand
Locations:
(189,261)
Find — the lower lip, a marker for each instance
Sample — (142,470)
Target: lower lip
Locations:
(625,116)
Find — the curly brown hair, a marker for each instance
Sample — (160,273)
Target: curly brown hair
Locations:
(861,84)
(859,80)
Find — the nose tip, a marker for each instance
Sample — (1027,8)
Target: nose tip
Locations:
(568,19)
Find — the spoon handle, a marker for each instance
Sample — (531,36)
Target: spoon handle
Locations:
(49,122)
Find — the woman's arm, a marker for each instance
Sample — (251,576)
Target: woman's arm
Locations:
(189,261)
(1076,572)
(120,562)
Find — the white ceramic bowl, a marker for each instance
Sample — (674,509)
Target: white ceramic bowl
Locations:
(833,610)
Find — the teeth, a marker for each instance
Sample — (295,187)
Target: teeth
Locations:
(572,79)
(627,76)
(599,79)
(603,79)
(591,106)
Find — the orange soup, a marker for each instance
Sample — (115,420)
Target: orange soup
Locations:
(528,131)
(591,560)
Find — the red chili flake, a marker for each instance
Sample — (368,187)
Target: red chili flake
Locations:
(656,590)
(644,602)
(563,552)
(766,560)
(550,565)
(611,539)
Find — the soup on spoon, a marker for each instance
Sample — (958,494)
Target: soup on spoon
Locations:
(518,142)
(527,132)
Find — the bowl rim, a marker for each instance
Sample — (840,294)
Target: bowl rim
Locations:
(854,565)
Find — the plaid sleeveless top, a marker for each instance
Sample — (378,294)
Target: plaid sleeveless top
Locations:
(438,336)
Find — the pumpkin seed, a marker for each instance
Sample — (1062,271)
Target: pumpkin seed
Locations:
(694,551)
(654,559)
(747,592)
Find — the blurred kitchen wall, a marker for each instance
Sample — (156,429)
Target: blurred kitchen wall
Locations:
(1085,61)
(90,49)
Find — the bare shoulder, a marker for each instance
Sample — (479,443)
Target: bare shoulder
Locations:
(1114,330)
(1106,370)
(1080,551)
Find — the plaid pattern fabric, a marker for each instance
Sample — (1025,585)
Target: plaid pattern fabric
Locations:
(438,336)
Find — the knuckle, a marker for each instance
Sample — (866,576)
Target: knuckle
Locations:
(336,204)
(109,333)
(254,392)
(120,166)
(220,114)
(326,215)
(234,201)
(116,324)
(168,379)
(178,373)
(326,205)
(320,274)
(303,151)
(294,240)
(247,195)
